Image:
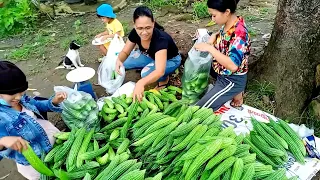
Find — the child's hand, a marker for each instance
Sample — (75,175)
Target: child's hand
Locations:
(59,97)
(98,35)
(14,142)
(104,38)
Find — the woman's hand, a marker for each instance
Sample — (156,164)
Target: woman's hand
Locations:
(138,91)
(204,47)
(14,142)
(59,97)
(119,64)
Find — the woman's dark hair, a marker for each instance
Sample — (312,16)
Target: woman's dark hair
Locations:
(145,11)
(223,5)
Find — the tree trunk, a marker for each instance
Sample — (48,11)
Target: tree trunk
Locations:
(291,57)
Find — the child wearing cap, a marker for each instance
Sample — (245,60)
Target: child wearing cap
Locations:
(113,26)
(21,121)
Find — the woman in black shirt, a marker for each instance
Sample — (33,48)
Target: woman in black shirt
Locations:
(158,55)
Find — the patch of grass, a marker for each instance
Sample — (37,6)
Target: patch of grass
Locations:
(35,47)
(253,14)
(77,24)
(80,35)
(260,95)
(21,53)
(252,32)
(264,11)
(79,38)
(94,31)
(126,28)
(65,43)
(251,18)
(200,9)
(310,117)
(154,4)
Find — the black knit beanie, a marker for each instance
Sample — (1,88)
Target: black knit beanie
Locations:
(12,79)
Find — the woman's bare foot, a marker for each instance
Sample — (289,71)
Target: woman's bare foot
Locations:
(237,101)
(162,84)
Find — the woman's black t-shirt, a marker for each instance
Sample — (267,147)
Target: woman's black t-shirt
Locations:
(160,40)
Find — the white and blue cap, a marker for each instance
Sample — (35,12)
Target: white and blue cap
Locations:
(106,10)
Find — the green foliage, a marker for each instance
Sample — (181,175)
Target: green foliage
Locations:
(126,28)
(260,95)
(79,38)
(262,88)
(15,16)
(36,46)
(77,24)
(78,35)
(200,9)
(251,18)
(154,4)
(252,32)
(264,11)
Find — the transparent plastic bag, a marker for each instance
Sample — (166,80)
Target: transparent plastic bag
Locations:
(126,89)
(79,109)
(107,77)
(196,73)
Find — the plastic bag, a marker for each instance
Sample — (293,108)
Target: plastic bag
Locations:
(196,73)
(107,77)
(79,109)
(302,130)
(126,89)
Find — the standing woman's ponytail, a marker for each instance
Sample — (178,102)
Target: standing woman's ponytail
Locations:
(145,11)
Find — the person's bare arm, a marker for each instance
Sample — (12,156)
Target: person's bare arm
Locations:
(124,54)
(160,68)
(223,60)
(102,34)
(112,35)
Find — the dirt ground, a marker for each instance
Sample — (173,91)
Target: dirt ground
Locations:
(40,67)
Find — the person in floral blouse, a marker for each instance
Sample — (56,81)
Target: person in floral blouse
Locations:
(230,48)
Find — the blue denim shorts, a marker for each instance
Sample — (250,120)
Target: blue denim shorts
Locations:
(137,60)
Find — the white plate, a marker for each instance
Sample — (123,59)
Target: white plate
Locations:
(97,41)
(80,74)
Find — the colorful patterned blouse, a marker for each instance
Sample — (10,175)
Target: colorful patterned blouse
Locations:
(235,43)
